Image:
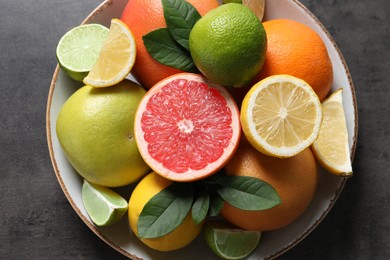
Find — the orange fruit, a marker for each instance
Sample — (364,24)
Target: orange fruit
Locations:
(295,49)
(187,128)
(295,179)
(142,17)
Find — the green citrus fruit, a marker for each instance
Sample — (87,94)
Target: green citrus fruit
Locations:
(95,129)
(228,45)
(78,50)
(103,205)
(230,242)
(180,237)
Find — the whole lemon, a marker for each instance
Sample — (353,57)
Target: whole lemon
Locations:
(180,237)
(295,179)
(228,45)
(95,130)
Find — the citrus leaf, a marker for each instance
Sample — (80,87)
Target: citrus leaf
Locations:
(163,48)
(165,211)
(216,204)
(201,206)
(180,17)
(247,193)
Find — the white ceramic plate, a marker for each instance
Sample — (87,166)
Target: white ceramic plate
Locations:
(273,243)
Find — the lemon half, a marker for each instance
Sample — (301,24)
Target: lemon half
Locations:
(281,116)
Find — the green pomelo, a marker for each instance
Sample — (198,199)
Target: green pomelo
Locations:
(95,128)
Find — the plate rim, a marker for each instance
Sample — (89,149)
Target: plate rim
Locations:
(280,252)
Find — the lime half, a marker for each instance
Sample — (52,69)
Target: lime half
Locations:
(78,50)
(229,242)
(104,206)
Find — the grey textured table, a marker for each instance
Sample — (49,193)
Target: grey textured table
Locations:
(36,220)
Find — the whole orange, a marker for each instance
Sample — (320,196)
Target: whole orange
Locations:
(142,17)
(295,49)
(295,179)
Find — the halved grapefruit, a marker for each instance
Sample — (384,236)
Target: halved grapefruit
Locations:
(186,127)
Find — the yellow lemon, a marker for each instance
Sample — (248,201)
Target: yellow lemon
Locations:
(331,147)
(281,116)
(180,237)
(116,57)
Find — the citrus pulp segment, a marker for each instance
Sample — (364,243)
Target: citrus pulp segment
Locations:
(186,127)
(78,50)
(104,206)
(281,116)
(331,147)
(230,242)
(116,57)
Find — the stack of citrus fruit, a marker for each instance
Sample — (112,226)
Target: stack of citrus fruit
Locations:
(186,127)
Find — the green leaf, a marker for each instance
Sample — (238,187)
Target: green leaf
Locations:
(201,206)
(216,203)
(165,211)
(180,17)
(163,48)
(247,193)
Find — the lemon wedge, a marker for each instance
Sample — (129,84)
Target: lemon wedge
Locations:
(331,147)
(116,57)
(281,116)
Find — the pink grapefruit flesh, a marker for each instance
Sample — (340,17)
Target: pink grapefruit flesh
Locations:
(187,128)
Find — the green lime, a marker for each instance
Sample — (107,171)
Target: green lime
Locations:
(78,50)
(230,242)
(104,206)
(228,45)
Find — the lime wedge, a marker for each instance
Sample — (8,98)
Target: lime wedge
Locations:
(229,242)
(104,206)
(78,50)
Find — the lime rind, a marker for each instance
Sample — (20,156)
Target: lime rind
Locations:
(229,242)
(78,49)
(103,205)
